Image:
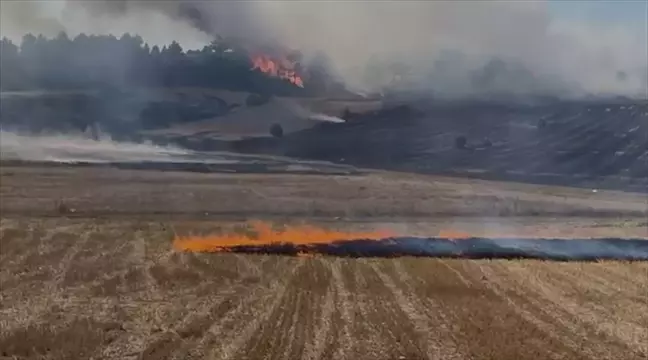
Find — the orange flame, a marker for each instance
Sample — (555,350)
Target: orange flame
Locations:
(454,234)
(266,235)
(282,68)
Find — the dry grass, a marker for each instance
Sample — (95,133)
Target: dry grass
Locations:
(103,283)
(91,192)
(80,288)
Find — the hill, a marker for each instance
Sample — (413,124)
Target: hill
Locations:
(594,144)
(598,143)
(166,113)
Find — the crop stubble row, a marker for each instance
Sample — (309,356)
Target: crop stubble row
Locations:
(122,291)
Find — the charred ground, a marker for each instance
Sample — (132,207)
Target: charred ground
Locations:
(580,143)
(595,144)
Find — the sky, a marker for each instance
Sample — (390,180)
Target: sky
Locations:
(592,46)
(626,13)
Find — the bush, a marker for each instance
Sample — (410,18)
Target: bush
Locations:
(256,99)
(276,130)
(62,208)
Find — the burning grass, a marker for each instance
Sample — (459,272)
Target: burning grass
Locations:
(143,301)
(308,241)
(265,234)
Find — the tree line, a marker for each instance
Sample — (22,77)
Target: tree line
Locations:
(91,61)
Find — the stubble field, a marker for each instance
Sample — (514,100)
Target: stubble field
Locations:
(101,279)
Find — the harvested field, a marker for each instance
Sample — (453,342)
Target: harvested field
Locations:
(115,289)
(97,277)
(373,197)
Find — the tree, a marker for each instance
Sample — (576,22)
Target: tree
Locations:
(175,49)
(10,77)
(276,130)
(92,61)
(8,50)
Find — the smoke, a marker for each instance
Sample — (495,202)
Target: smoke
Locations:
(71,148)
(450,48)
(158,23)
(306,113)
(472,248)
(324,117)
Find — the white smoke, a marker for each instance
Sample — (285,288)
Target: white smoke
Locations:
(541,54)
(324,117)
(49,17)
(305,113)
(75,148)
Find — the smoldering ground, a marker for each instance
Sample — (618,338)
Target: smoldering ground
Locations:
(310,240)
(75,148)
(472,248)
(453,49)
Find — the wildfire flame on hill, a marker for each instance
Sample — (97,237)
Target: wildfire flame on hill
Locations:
(265,235)
(278,67)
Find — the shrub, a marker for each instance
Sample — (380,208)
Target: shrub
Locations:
(62,208)
(276,130)
(256,99)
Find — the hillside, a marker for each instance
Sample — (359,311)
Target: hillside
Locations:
(579,143)
(167,113)
(574,143)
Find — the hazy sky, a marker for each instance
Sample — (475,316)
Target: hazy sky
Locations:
(577,44)
(626,13)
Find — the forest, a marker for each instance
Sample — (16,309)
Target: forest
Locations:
(97,61)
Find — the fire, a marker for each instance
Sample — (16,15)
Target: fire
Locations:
(281,68)
(266,235)
(454,234)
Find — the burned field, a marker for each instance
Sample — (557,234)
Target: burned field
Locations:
(88,269)
(587,144)
(470,248)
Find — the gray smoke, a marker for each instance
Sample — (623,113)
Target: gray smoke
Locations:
(455,49)
(76,148)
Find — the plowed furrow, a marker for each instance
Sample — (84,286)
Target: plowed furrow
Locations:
(367,335)
(533,289)
(340,339)
(592,305)
(212,300)
(323,333)
(218,335)
(193,334)
(432,330)
(486,325)
(292,324)
(554,330)
(236,333)
(387,316)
